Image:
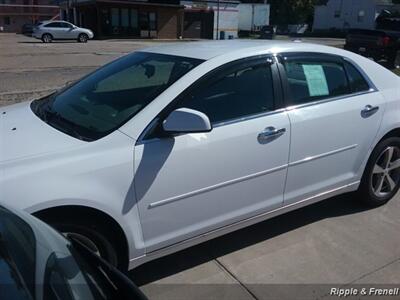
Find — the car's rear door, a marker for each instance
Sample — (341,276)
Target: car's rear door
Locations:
(54,28)
(190,184)
(68,31)
(335,112)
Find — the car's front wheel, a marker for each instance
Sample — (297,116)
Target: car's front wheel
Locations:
(381,179)
(47,38)
(83,38)
(96,237)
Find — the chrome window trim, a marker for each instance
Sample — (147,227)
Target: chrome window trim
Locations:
(326,100)
(249,117)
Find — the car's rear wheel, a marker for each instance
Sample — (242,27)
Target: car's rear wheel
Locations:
(381,179)
(83,38)
(47,38)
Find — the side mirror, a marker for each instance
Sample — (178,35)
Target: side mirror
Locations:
(186,120)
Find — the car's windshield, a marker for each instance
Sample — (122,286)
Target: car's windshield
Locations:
(103,101)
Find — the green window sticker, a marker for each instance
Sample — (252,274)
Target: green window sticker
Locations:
(316,80)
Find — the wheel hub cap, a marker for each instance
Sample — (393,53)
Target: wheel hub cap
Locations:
(386,172)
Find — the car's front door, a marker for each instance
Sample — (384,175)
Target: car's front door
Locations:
(190,184)
(67,31)
(335,113)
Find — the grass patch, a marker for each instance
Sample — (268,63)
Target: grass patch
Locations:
(396,71)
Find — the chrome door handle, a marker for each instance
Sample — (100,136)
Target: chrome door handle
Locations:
(369,110)
(269,134)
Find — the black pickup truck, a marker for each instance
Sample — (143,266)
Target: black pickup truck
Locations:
(380,44)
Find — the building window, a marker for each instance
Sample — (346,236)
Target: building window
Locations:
(124,17)
(7,21)
(360,16)
(337,13)
(152,21)
(144,21)
(148,21)
(115,17)
(134,18)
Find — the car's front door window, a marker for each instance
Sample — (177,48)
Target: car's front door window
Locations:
(234,92)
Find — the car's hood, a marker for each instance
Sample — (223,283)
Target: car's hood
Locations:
(23,134)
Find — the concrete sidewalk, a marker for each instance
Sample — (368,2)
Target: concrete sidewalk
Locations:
(300,255)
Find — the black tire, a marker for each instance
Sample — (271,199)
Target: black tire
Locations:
(396,63)
(376,187)
(83,38)
(95,236)
(394,60)
(47,38)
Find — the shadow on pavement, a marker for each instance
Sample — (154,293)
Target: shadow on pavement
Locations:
(202,253)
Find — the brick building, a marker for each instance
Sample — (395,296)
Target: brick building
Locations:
(15,13)
(119,18)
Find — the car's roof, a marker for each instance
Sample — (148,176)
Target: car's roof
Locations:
(209,49)
(50,21)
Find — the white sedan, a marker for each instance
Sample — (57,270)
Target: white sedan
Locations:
(174,145)
(48,31)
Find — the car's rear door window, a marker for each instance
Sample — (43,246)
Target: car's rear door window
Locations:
(53,25)
(312,80)
(357,82)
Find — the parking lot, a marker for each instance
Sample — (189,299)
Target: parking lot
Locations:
(335,243)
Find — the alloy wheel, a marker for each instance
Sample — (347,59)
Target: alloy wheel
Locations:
(46,38)
(386,172)
(83,38)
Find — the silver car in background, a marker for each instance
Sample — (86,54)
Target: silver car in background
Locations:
(48,31)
